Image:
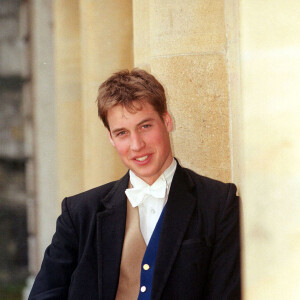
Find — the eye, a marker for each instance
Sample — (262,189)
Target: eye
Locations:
(145,126)
(121,133)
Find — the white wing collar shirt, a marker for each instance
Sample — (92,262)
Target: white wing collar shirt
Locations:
(150,199)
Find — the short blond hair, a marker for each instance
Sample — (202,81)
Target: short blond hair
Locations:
(129,89)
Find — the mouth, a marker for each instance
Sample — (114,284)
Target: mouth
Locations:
(143,158)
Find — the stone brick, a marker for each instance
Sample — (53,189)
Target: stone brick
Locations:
(141,33)
(186,27)
(198,101)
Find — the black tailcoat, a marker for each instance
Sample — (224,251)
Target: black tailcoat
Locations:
(199,249)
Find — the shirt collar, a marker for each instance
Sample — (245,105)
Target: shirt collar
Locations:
(167,176)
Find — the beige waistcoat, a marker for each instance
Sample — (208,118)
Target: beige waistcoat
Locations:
(134,248)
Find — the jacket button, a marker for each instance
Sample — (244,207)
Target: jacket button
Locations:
(146,267)
(143,289)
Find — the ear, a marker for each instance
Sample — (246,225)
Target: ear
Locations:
(168,121)
(110,138)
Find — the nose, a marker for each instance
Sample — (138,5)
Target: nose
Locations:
(136,143)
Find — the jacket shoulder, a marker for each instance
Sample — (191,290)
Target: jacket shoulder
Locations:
(87,202)
(207,182)
(211,192)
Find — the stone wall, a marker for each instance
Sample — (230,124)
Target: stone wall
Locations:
(93,39)
(231,71)
(184,45)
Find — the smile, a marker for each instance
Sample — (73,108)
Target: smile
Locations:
(142,158)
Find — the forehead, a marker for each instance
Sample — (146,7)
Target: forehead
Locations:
(120,114)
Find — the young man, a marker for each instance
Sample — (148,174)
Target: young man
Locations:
(160,232)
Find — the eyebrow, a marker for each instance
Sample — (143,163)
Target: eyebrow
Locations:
(140,123)
(117,130)
(145,121)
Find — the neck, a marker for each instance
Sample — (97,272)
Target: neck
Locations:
(151,180)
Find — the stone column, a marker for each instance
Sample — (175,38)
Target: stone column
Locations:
(270,64)
(141,33)
(44,123)
(186,50)
(92,40)
(68,98)
(42,198)
(106,47)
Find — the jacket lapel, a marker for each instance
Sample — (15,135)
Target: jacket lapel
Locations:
(111,221)
(179,209)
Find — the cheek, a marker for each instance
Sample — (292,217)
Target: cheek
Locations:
(156,140)
(122,148)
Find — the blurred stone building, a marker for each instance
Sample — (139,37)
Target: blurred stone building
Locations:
(231,71)
(14,156)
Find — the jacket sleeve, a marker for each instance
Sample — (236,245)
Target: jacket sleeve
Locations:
(224,280)
(60,259)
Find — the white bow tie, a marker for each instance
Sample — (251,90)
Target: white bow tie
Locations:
(137,195)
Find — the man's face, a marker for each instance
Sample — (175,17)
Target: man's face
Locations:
(142,140)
